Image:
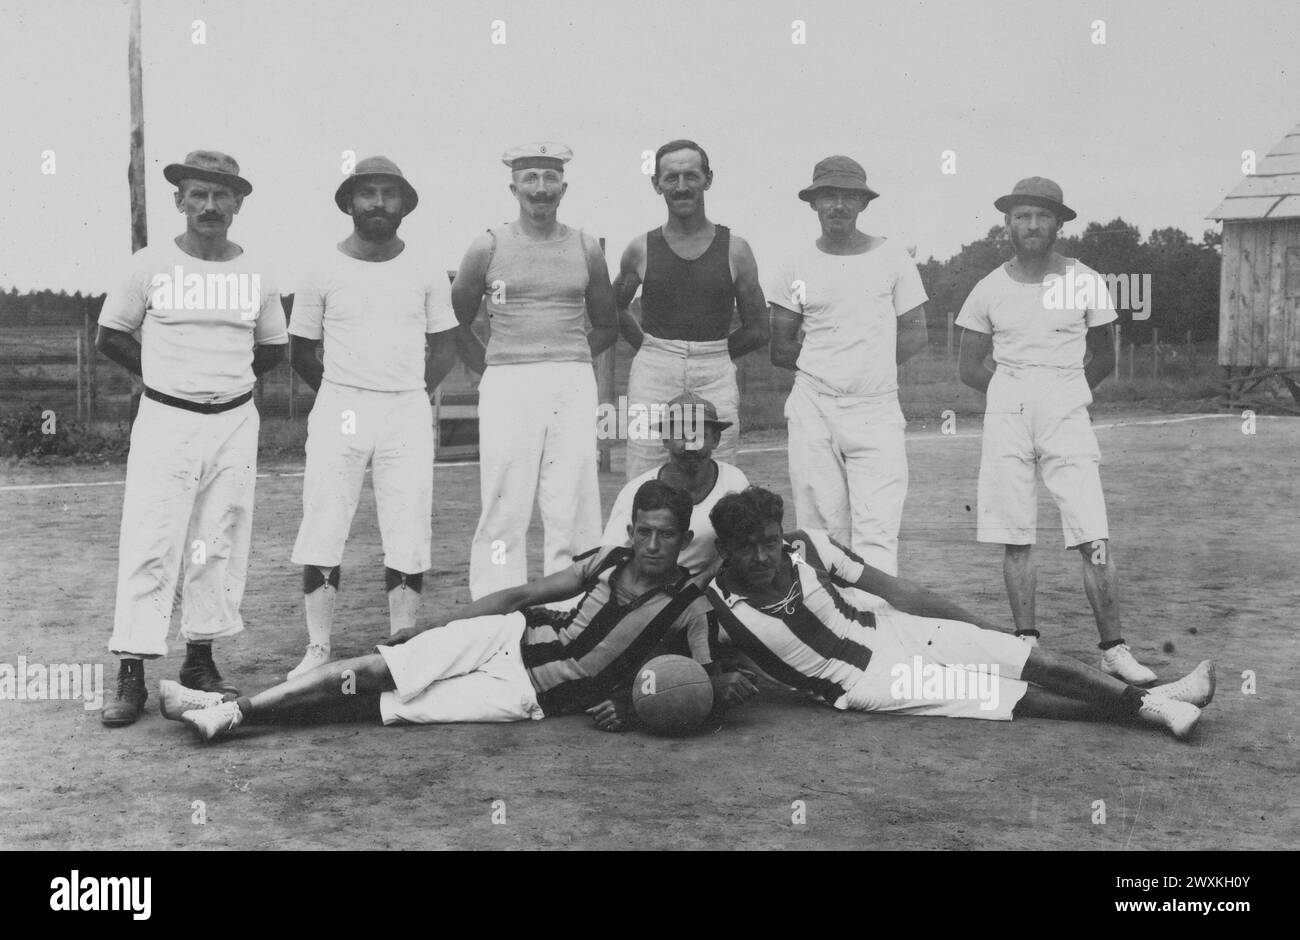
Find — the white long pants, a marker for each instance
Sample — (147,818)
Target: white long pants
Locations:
(662,370)
(848,470)
(189,500)
(537,439)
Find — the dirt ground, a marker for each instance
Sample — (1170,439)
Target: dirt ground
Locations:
(1205,524)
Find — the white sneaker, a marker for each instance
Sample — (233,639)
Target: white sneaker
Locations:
(1179,717)
(1197,687)
(217,721)
(177,699)
(1119,661)
(317,655)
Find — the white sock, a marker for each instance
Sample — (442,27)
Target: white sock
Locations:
(319,605)
(403,608)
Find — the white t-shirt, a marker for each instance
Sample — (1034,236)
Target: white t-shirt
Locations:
(850,306)
(1037,325)
(372,316)
(700,553)
(198,320)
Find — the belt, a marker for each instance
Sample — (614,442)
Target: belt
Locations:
(203,408)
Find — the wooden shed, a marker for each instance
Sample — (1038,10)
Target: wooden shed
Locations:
(1259,291)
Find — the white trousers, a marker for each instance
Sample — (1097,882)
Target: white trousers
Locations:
(537,440)
(848,470)
(393,433)
(662,370)
(188,502)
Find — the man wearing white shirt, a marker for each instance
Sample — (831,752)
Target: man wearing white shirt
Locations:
(1050,350)
(691,437)
(209,322)
(860,304)
(384,318)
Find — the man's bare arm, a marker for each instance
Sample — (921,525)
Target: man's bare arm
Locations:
(439,357)
(785,337)
(625,287)
(912,598)
(467,292)
(120,347)
(750,303)
(557,587)
(600,299)
(975,347)
(912,334)
(1101,347)
(267,356)
(305,359)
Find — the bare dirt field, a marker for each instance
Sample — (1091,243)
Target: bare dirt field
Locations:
(1205,523)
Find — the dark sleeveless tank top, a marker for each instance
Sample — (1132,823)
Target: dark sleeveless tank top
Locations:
(688,300)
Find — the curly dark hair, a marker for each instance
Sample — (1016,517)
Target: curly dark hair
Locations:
(739,517)
(652,495)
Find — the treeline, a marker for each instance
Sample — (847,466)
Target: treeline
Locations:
(1184,276)
(1184,281)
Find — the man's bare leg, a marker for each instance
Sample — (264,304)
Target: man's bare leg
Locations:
(1101,584)
(1022,586)
(321,691)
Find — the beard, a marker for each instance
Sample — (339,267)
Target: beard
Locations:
(370,232)
(1042,250)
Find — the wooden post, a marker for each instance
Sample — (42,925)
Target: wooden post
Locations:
(1155,353)
(135,169)
(606,366)
(1132,357)
(1119,348)
(77,340)
(1191,355)
(90,367)
(952,317)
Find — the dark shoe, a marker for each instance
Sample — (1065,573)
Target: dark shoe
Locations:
(200,672)
(128,705)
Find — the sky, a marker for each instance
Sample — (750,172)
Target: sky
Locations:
(1149,125)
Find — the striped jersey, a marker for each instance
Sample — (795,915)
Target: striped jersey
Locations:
(578,658)
(819,638)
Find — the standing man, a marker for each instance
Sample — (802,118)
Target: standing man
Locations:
(693,274)
(537,400)
(1048,357)
(384,318)
(210,322)
(859,301)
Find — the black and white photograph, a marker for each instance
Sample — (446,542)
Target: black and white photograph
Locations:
(796,425)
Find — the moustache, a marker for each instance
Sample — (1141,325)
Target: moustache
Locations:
(211,217)
(542,198)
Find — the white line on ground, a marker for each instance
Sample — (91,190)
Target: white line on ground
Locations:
(918,439)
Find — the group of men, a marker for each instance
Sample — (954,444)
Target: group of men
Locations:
(692,559)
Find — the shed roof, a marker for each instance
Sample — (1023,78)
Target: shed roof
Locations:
(1272,191)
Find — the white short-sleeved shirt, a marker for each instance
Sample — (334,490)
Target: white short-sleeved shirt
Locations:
(850,306)
(198,320)
(698,555)
(372,317)
(1037,325)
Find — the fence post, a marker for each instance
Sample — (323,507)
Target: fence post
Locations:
(1132,357)
(90,367)
(78,337)
(1119,349)
(951,318)
(1191,355)
(1155,353)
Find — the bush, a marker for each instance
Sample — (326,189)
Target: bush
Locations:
(37,434)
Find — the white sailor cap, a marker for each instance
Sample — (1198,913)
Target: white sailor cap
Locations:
(548,155)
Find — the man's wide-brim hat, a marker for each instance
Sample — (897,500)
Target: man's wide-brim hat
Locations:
(370,168)
(680,404)
(838,172)
(1037,191)
(211,166)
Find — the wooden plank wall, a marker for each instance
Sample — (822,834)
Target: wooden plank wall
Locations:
(1259,317)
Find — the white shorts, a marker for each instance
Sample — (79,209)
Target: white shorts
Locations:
(393,433)
(945,668)
(1039,419)
(469,670)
